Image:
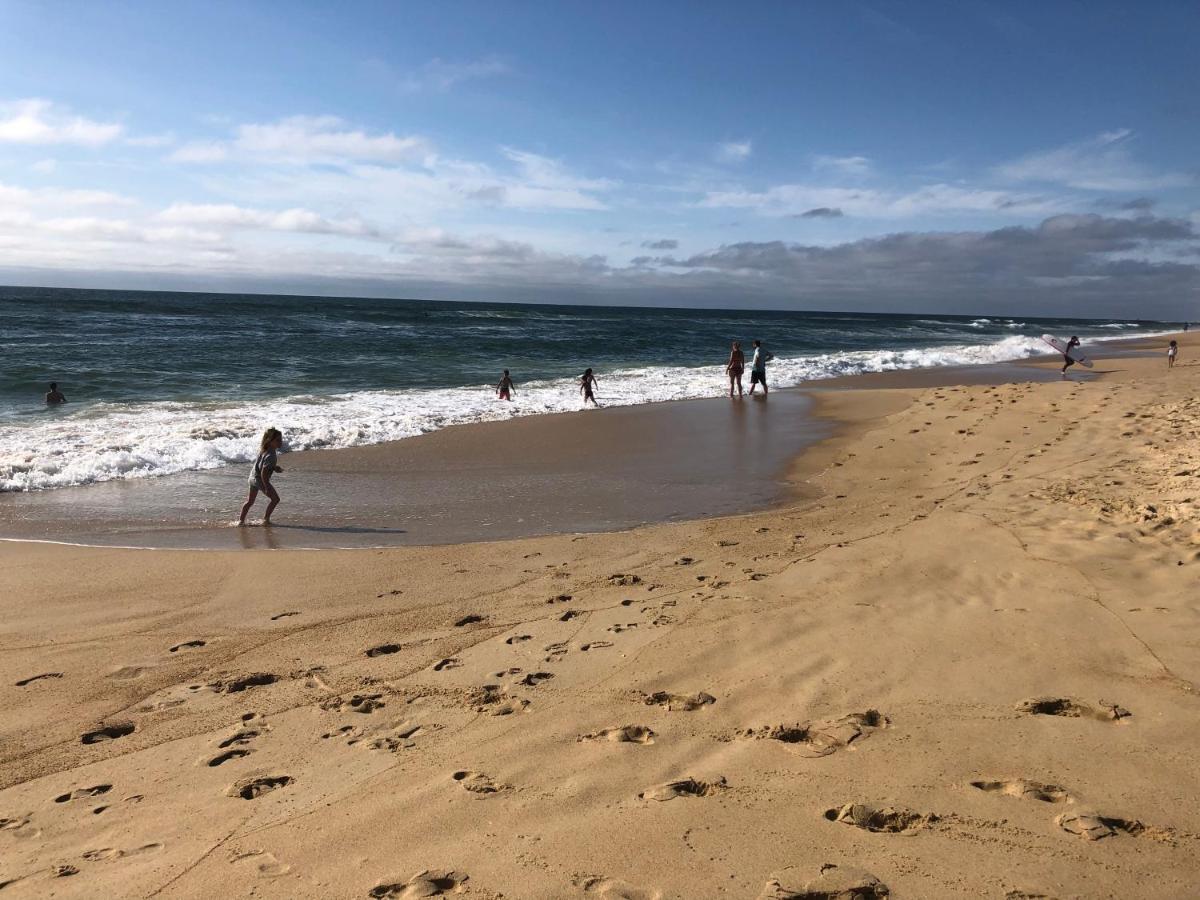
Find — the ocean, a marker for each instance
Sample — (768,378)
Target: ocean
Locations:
(162,383)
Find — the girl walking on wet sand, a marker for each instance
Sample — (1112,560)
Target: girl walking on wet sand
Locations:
(265,466)
(506,390)
(587,382)
(735,367)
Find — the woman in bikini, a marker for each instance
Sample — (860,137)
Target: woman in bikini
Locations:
(735,367)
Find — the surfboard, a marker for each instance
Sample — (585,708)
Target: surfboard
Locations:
(1061,347)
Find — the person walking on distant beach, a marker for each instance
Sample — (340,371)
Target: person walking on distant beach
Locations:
(1068,362)
(506,390)
(587,382)
(735,367)
(266,466)
(758,367)
(54,396)
(1172,352)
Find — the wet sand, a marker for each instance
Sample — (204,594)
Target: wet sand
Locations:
(961,663)
(595,470)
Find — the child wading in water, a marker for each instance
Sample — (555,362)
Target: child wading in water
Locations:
(506,390)
(587,382)
(265,466)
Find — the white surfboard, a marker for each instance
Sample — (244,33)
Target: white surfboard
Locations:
(1061,347)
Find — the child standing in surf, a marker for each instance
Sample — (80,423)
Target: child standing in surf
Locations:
(587,382)
(266,466)
(506,390)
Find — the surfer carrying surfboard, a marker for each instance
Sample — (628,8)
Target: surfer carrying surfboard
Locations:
(1071,345)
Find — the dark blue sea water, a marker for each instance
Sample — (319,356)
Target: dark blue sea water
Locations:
(168,382)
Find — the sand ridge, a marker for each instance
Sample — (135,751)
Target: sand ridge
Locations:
(967,670)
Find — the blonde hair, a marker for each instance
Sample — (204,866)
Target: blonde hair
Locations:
(269,435)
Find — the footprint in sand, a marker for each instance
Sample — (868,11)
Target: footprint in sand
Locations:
(104,853)
(107,733)
(397,739)
(889,819)
(423,884)
(622,734)
(823,738)
(243,683)
(569,615)
(188,645)
(477,783)
(228,755)
(1064,706)
(471,619)
(267,864)
(595,645)
(83,793)
(834,883)
(560,598)
(21,827)
(518,638)
(284,615)
(240,737)
(1025,790)
(686,787)
(624,580)
(1095,827)
(678,702)
(252,788)
(615,889)
(33,678)
(533,679)
(450,662)
(383,650)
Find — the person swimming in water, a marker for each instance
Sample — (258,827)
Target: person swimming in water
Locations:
(587,382)
(54,396)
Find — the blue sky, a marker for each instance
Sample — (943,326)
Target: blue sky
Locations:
(957,156)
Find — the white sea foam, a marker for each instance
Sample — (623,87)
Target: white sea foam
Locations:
(112,441)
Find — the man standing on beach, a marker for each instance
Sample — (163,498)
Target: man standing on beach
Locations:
(758,368)
(54,396)
(1068,362)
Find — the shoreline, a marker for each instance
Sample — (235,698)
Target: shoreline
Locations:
(444,466)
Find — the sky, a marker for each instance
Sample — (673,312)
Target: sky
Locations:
(959,156)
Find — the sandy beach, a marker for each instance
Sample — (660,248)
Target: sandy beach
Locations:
(961,662)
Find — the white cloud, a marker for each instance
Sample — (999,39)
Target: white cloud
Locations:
(304,140)
(35,121)
(440,75)
(296,219)
(734,151)
(1100,163)
(166,139)
(325,138)
(200,152)
(796,199)
(45,166)
(58,198)
(853,166)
